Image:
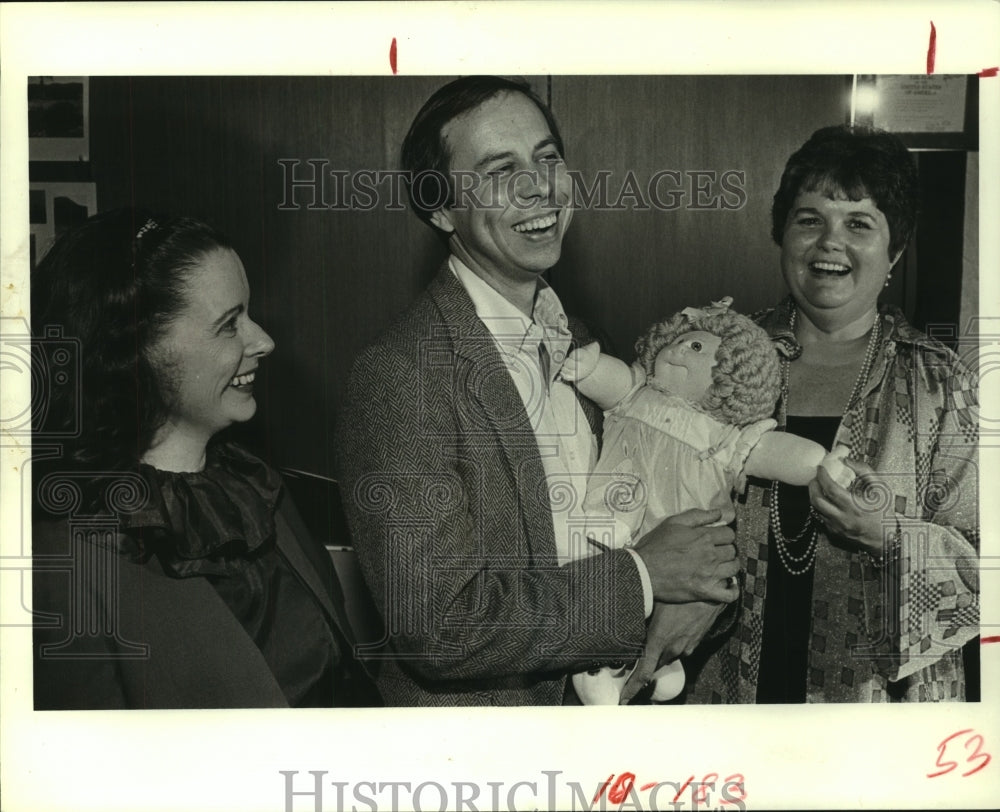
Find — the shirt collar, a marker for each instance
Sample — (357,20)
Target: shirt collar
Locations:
(511,328)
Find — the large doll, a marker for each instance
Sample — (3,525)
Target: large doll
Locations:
(683,428)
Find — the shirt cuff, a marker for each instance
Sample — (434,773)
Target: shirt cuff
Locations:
(647,584)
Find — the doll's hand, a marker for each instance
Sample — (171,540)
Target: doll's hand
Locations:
(833,462)
(581,362)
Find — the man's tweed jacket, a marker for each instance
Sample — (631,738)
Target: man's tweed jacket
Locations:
(450,515)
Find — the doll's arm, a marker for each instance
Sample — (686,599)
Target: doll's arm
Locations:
(602,378)
(793,459)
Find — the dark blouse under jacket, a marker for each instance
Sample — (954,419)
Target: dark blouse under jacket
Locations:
(210,594)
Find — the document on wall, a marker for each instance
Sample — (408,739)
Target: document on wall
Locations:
(920,104)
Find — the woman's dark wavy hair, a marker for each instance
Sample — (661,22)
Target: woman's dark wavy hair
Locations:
(860,162)
(111,286)
(424,155)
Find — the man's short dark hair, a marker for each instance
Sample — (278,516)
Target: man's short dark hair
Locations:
(861,162)
(424,156)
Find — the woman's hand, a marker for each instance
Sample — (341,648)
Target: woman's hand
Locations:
(847,513)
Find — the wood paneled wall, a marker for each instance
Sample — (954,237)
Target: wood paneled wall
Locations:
(625,269)
(323,282)
(326,282)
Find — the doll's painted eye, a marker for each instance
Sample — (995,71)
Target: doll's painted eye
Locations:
(696,346)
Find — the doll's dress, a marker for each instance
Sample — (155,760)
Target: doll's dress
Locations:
(660,457)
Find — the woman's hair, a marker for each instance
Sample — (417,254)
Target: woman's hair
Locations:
(424,155)
(859,162)
(108,289)
(746,379)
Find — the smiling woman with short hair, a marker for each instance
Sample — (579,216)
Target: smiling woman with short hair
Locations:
(841,601)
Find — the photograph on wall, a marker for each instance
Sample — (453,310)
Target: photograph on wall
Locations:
(58,118)
(56,207)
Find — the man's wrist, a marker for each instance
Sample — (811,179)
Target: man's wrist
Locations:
(647,582)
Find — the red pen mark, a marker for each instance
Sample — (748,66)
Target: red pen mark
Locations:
(392,56)
(995,638)
(600,789)
(681,790)
(622,788)
(731,783)
(976,755)
(700,797)
(988,73)
(931,50)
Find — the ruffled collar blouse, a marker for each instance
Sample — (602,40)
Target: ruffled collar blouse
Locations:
(219,524)
(207,522)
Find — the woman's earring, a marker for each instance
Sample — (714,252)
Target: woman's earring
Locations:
(888,279)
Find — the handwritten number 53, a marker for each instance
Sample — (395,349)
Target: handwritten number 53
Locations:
(973,742)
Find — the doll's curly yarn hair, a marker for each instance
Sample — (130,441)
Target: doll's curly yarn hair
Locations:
(746,380)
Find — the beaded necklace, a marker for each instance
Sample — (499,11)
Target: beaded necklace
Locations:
(800,564)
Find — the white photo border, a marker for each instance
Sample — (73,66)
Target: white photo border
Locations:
(791,757)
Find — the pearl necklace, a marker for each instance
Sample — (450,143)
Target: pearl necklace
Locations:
(799,565)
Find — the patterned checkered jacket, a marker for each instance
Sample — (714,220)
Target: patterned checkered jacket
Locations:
(890,633)
(445,494)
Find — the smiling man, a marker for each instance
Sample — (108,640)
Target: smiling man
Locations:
(460,444)
(507,228)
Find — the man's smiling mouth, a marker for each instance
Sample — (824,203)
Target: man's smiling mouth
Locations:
(542,223)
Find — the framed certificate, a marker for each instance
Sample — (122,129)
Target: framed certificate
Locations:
(926,112)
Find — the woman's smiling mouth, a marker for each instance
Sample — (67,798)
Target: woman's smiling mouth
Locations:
(244,380)
(835,268)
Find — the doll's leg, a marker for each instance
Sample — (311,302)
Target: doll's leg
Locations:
(668,681)
(602,686)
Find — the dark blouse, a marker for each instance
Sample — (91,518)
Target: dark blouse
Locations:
(788,606)
(219,524)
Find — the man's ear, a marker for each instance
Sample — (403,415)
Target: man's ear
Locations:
(442,219)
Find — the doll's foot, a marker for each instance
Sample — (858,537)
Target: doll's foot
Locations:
(602,686)
(668,682)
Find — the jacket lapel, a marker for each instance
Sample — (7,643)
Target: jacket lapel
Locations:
(326,590)
(482,380)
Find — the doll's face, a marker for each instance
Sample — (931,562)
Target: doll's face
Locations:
(684,367)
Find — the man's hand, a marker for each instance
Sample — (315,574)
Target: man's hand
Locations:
(689,561)
(675,631)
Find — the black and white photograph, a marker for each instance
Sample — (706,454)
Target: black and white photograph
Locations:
(374,422)
(57,117)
